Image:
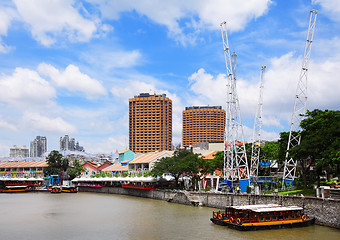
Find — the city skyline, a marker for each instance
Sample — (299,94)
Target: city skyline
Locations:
(73,73)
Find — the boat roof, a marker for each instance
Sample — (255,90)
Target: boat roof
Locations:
(257,206)
(278,209)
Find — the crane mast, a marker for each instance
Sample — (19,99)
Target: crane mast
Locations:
(256,145)
(299,109)
(235,158)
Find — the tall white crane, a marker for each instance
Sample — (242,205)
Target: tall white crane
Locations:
(235,158)
(299,105)
(256,145)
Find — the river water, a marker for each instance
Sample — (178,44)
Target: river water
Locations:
(108,216)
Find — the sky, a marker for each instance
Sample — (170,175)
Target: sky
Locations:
(70,66)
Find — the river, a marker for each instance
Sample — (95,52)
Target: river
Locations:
(107,216)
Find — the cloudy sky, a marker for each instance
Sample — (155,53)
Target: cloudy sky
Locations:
(69,66)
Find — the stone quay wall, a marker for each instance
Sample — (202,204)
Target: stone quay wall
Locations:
(325,211)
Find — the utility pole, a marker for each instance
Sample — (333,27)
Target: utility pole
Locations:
(256,146)
(300,103)
(235,159)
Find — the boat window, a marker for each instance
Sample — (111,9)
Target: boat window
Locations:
(292,216)
(275,218)
(286,216)
(267,218)
(261,219)
(298,214)
(281,217)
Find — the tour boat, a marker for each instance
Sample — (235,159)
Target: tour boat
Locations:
(69,189)
(261,217)
(15,189)
(56,189)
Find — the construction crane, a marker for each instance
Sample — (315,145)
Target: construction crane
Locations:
(236,169)
(299,106)
(256,145)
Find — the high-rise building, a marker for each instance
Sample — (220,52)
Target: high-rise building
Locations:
(69,144)
(150,123)
(203,124)
(38,146)
(16,151)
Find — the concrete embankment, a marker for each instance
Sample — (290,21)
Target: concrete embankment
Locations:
(325,211)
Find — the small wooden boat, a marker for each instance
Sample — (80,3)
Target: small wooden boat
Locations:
(261,217)
(56,189)
(15,189)
(69,189)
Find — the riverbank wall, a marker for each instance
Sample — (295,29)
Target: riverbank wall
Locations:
(325,211)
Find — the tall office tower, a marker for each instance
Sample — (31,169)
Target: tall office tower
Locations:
(203,124)
(150,123)
(18,151)
(38,146)
(64,143)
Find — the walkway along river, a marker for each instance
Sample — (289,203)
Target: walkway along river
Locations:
(110,216)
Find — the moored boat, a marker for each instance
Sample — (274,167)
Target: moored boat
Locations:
(56,189)
(261,217)
(15,189)
(69,189)
(139,186)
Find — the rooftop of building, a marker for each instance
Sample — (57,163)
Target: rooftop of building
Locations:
(149,95)
(203,107)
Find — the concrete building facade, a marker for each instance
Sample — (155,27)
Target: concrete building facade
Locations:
(38,146)
(16,151)
(150,123)
(203,124)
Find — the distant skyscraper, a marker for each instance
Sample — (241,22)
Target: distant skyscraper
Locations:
(203,124)
(69,144)
(18,151)
(150,123)
(38,146)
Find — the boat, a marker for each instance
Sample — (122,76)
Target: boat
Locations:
(69,189)
(261,217)
(55,189)
(15,189)
(139,186)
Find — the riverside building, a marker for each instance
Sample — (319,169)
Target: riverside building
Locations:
(150,123)
(203,124)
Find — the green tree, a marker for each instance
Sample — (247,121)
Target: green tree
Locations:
(320,144)
(182,163)
(76,170)
(57,164)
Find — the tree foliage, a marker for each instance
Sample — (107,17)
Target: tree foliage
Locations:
(56,163)
(76,170)
(320,143)
(182,163)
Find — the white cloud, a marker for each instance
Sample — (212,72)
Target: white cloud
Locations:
(25,88)
(179,16)
(330,8)
(6,16)
(42,123)
(209,90)
(73,80)
(6,125)
(112,59)
(51,19)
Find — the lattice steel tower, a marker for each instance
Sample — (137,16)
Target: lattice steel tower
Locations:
(299,105)
(235,158)
(256,145)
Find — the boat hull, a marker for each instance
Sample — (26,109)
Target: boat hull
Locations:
(269,226)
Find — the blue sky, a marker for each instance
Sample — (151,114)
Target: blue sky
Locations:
(69,67)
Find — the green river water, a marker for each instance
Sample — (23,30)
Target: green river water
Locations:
(108,216)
